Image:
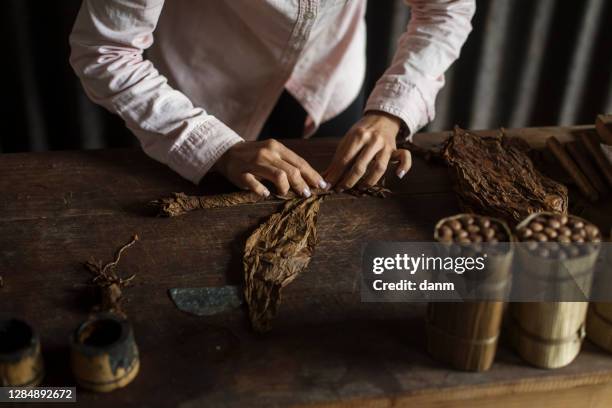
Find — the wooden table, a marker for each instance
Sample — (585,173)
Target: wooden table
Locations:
(58,209)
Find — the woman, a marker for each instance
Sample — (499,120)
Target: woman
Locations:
(222,74)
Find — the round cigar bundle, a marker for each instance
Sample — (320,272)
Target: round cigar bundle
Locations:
(104,355)
(465,334)
(599,315)
(21,363)
(557,254)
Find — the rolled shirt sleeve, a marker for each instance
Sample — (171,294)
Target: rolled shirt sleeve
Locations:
(435,34)
(107,45)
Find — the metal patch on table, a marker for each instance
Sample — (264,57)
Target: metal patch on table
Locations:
(206,301)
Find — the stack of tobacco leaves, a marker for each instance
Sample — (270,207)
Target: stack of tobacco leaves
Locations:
(494,176)
(275,254)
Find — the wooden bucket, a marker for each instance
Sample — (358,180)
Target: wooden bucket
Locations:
(599,324)
(549,334)
(21,363)
(599,316)
(465,334)
(104,356)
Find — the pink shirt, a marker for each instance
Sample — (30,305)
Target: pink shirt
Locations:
(217,68)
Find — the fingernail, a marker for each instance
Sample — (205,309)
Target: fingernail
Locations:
(266,192)
(306,192)
(323,184)
(401,173)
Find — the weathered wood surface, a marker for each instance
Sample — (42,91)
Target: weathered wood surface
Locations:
(59,209)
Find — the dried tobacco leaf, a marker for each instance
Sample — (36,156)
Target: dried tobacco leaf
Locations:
(494,176)
(429,155)
(275,254)
(181,203)
(278,251)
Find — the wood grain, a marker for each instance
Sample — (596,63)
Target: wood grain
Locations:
(603,124)
(572,169)
(59,209)
(578,152)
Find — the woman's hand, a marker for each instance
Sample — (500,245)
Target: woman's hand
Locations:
(247,163)
(365,151)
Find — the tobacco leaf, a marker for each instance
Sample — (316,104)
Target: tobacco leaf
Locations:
(109,283)
(374,191)
(494,176)
(275,254)
(429,155)
(181,203)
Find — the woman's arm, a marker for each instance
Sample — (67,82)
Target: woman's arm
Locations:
(107,42)
(406,92)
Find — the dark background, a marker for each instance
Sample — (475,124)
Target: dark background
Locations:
(527,63)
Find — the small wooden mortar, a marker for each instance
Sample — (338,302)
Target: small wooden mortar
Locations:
(104,356)
(21,363)
(550,334)
(465,334)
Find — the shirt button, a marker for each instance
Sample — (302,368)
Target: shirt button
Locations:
(309,15)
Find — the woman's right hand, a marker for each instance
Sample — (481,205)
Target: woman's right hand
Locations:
(246,164)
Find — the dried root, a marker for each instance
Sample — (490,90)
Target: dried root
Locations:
(110,284)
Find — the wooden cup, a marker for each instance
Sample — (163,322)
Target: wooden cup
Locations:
(21,363)
(104,355)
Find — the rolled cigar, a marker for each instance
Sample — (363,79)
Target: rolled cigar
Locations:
(557,236)
(578,152)
(603,125)
(594,149)
(572,169)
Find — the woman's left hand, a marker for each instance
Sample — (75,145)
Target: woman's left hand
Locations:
(365,151)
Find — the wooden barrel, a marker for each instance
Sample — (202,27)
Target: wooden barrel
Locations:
(104,355)
(465,334)
(550,334)
(599,324)
(21,363)
(599,316)
(547,334)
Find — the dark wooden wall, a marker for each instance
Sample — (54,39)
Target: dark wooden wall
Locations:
(527,63)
